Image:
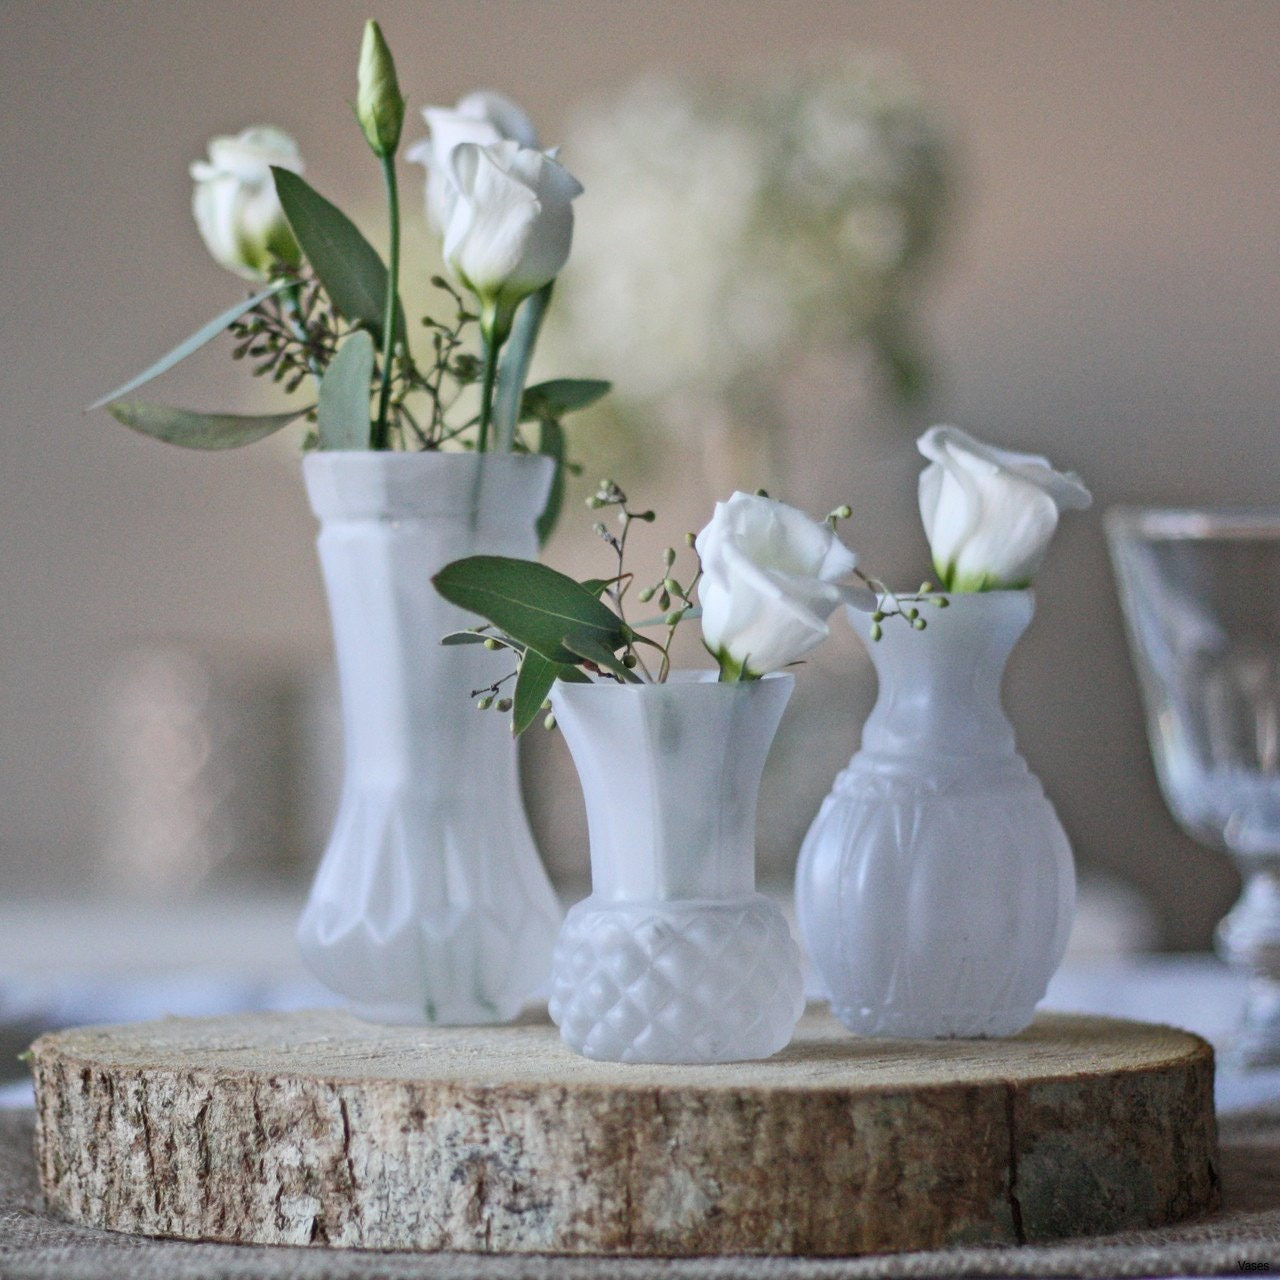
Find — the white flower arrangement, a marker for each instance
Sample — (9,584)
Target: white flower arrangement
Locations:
(766,580)
(327,322)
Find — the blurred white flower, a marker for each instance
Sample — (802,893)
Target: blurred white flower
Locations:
(235,204)
(731,232)
(989,513)
(511,226)
(482,117)
(769,583)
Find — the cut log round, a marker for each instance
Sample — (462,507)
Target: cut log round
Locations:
(315,1128)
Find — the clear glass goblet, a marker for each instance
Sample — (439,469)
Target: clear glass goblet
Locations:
(1201,596)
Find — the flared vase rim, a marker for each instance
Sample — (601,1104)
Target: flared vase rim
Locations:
(707,677)
(420,457)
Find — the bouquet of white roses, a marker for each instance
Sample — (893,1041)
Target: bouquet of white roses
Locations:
(326,320)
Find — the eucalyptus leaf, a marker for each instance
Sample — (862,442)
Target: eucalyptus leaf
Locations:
(342,416)
(533,684)
(200,430)
(513,367)
(589,647)
(346,264)
(476,637)
(688,613)
(551,400)
(551,443)
(193,343)
(531,602)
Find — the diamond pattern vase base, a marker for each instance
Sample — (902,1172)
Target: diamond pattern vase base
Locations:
(676,981)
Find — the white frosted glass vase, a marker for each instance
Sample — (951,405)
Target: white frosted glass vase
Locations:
(431,904)
(935,888)
(674,957)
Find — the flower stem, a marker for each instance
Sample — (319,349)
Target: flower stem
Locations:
(379,438)
(491,346)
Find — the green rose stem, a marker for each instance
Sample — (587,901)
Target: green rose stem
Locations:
(379,437)
(380,112)
(495,327)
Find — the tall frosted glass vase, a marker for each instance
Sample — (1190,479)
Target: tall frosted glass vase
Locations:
(674,957)
(431,904)
(935,888)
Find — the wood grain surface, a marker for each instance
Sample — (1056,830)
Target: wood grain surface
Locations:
(315,1128)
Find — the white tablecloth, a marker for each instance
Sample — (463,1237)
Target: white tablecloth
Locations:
(68,963)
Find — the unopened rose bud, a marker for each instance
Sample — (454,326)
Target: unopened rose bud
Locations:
(379,102)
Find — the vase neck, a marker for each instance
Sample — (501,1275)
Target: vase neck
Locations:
(670,774)
(389,521)
(940,687)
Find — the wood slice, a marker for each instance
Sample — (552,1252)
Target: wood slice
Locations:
(315,1128)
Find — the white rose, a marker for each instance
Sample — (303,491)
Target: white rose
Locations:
(989,513)
(481,117)
(768,585)
(511,227)
(235,202)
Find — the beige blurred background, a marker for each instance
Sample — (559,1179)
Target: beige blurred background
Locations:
(1108,293)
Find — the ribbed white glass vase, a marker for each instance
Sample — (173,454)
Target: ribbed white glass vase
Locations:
(935,888)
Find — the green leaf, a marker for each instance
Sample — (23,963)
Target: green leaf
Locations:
(688,613)
(551,443)
(589,647)
(342,416)
(532,603)
(347,265)
(533,683)
(464,637)
(193,343)
(560,396)
(513,367)
(200,430)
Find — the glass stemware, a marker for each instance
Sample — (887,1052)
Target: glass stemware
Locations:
(1200,591)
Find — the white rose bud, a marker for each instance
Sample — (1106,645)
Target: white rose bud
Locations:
(989,513)
(511,228)
(768,585)
(481,117)
(235,204)
(379,102)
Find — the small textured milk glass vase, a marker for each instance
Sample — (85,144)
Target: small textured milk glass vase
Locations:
(935,888)
(430,905)
(674,957)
